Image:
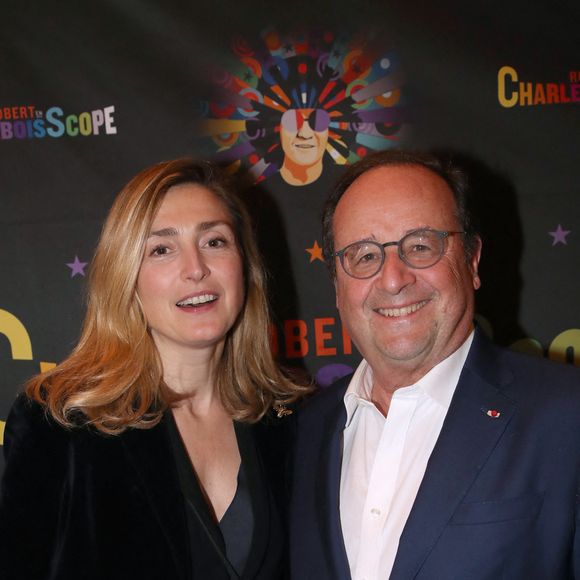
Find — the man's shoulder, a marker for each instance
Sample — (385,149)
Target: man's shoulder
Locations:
(553,378)
(536,367)
(524,376)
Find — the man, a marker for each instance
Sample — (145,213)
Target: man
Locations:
(443,457)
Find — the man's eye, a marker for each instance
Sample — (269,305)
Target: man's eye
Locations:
(368,257)
(362,255)
(420,249)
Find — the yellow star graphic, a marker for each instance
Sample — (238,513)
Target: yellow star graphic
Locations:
(315,252)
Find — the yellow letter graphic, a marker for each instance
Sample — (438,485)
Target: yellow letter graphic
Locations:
(503,72)
(17,335)
(20,345)
(567,342)
(528,346)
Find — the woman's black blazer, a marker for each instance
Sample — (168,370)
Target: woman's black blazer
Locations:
(76,504)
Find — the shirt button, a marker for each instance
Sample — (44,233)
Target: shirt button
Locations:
(376,512)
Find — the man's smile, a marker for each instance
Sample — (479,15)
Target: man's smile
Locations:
(403,311)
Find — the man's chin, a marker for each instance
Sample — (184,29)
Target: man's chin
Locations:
(406,350)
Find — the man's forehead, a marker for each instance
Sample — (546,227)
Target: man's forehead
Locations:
(399,181)
(403,171)
(405,196)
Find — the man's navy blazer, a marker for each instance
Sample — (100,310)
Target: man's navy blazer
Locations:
(499,499)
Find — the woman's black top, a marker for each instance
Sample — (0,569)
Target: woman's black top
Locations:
(232,536)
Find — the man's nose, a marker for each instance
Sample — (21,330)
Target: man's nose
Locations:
(395,275)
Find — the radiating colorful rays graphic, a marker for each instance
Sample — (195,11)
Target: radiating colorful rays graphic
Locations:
(356,80)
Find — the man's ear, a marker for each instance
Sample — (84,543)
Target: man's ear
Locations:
(474,264)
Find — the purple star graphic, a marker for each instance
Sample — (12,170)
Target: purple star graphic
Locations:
(559,236)
(77,267)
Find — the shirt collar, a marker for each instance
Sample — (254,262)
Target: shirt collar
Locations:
(359,389)
(439,383)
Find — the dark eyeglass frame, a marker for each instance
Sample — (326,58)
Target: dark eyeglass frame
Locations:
(441,234)
(292,120)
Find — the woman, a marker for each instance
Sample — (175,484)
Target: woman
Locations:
(153,450)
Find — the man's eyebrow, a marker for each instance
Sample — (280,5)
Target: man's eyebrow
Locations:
(371,238)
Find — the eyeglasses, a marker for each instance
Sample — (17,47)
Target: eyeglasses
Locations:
(418,249)
(293,120)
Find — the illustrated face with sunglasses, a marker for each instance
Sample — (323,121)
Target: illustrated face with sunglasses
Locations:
(404,285)
(303,135)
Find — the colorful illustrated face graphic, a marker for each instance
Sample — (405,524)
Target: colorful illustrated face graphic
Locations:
(303,135)
(293,104)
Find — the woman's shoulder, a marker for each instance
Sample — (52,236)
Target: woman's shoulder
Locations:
(35,449)
(28,413)
(274,436)
(278,422)
(30,424)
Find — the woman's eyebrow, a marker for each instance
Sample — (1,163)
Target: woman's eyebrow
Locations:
(164,232)
(202,227)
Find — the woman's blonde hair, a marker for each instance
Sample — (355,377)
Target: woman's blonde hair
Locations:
(113,379)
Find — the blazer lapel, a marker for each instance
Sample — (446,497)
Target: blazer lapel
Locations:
(259,496)
(149,452)
(467,438)
(328,490)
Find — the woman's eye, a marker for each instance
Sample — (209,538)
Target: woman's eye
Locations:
(217,242)
(159,251)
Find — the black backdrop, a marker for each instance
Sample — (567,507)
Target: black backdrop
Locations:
(90,93)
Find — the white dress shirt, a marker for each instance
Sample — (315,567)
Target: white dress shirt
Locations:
(384,461)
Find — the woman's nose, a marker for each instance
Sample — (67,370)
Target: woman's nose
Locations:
(195,265)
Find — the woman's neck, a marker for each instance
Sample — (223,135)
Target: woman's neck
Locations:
(191,374)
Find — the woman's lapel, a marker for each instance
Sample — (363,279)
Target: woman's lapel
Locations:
(149,453)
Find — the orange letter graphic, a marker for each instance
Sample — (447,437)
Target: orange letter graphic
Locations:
(504,100)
